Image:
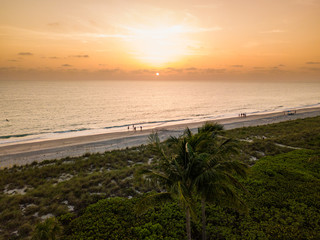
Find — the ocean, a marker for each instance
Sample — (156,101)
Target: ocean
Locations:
(42,110)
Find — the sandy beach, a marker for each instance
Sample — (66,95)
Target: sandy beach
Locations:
(26,153)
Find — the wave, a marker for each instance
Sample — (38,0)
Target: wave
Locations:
(16,136)
(73,130)
(41,133)
(46,133)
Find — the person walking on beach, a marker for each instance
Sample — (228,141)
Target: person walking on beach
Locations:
(140,128)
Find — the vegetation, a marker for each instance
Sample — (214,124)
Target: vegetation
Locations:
(283,199)
(50,229)
(283,204)
(198,167)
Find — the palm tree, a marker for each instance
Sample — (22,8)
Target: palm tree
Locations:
(199,167)
(215,182)
(174,177)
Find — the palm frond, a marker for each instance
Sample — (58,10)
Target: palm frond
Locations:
(151,200)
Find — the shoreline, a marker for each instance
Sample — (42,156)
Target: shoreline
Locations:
(25,153)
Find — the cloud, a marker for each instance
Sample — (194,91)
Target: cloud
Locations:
(66,65)
(237,66)
(54,24)
(314,69)
(28,33)
(281,65)
(13,60)
(215,70)
(79,56)
(53,57)
(191,69)
(258,67)
(274,31)
(107,70)
(7,68)
(312,62)
(173,70)
(25,53)
(166,31)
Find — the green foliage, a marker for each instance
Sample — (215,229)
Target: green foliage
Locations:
(283,201)
(302,133)
(50,229)
(115,218)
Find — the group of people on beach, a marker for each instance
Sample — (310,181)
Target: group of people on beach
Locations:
(290,112)
(134,128)
(242,115)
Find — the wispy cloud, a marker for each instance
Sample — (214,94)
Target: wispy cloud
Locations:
(23,33)
(173,70)
(66,65)
(191,69)
(79,56)
(215,70)
(274,31)
(237,66)
(312,62)
(25,53)
(54,24)
(167,31)
(313,69)
(110,70)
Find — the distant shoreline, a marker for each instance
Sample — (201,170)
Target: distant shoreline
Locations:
(26,153)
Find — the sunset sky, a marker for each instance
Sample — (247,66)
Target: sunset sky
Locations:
(190,39)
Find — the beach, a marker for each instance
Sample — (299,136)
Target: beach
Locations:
(25,153)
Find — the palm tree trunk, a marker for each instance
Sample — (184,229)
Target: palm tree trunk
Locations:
(188,223)
(204,220)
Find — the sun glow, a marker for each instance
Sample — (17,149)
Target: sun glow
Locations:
(158,46)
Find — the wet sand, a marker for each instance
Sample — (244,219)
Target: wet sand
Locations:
(25,153)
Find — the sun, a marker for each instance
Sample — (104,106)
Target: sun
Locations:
(158,46)
(157,74)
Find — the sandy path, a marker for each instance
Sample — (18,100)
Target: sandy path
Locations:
(25,153)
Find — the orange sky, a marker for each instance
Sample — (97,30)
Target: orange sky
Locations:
(135,39)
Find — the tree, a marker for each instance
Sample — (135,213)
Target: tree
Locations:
(199,166)
(215,182)
(173,176)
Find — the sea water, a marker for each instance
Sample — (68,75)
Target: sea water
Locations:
(35,110)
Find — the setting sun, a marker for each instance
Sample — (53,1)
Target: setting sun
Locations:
(157,74)
(157,46)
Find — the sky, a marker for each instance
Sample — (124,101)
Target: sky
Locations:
(183,40)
